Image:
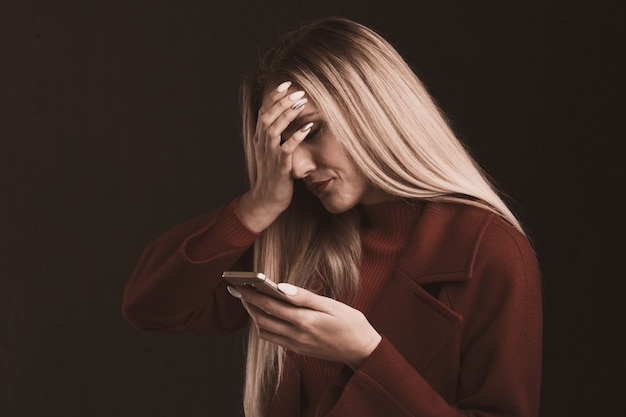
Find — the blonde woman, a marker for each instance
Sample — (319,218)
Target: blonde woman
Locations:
(410,289)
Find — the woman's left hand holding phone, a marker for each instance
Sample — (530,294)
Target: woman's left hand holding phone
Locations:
(272,191)
(312,325)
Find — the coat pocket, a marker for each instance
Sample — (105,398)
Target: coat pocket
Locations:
(417,324)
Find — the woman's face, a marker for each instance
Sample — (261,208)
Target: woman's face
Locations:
(327,169)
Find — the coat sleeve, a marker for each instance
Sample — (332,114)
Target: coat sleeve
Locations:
(499,371)
(176,285)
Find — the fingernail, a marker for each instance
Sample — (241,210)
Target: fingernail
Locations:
(299,104)
(288,289)
(306,127)
(296,96)
(233,292)
(283,87)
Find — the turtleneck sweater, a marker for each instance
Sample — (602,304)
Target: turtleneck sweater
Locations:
(384,234)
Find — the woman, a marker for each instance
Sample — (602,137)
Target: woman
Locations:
(412,289)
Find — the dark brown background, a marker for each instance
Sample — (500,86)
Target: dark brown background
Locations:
(119,119)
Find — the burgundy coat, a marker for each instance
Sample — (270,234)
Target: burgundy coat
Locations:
(460,315)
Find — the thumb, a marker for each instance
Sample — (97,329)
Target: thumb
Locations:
(304,298)
(288,289)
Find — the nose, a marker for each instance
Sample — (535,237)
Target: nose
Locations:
(302,162)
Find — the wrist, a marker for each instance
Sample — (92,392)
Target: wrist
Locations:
(254,215)
(366,351)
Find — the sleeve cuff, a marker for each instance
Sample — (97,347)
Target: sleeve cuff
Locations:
(226,233)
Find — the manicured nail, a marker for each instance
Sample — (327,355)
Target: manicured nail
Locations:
(233,292)
(299,104)
(283,87)
(306,127)
(288,289)
(296,96)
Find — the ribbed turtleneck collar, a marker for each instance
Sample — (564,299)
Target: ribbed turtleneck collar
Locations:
(387,225)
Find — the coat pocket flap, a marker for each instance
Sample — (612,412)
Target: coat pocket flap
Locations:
(417,324)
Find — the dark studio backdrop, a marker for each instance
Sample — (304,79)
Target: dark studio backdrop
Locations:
(120,119)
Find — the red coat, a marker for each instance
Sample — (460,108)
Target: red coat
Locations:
(475,350)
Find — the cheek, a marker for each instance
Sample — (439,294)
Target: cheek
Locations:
(356,175)
(354,188)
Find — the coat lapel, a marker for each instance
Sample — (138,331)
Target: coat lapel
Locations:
(441,251)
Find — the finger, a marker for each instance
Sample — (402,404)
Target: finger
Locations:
(274,329)
(264,301)
(276,119)
(282,129)
(291,143)
(281,339)
(278,129)
(274,105)
(267,322)
(270,305)
(274,96)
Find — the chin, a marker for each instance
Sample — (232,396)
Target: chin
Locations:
(336,207)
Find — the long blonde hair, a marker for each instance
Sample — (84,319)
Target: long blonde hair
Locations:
(378,109)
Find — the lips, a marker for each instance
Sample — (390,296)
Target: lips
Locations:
(318,188)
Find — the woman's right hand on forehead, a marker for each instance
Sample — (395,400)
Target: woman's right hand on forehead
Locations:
(272,192)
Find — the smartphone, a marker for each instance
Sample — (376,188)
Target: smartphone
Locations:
(255,280)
